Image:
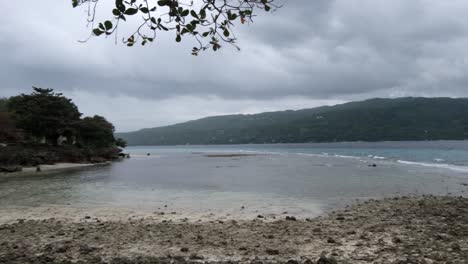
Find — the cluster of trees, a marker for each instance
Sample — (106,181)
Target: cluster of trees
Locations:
(45,117)
(370,120)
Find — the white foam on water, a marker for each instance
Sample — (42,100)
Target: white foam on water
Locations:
(436,165)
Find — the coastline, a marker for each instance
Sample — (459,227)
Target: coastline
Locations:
(53,168)
(424,229)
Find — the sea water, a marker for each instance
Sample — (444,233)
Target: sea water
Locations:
(301,179)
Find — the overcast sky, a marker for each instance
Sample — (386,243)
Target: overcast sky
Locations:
(309,53)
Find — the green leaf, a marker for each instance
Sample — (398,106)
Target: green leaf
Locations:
(74,3)
(267,8)
(108,25)
(233,17)
(97,32)
(101,26)
(120,5)
(194,14)
(144,10)
(116,12)
(131,11)
(226,33)
(178,38)
(185,13)
(202,14)
(164,2)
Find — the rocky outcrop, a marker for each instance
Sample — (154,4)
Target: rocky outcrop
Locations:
(28,155)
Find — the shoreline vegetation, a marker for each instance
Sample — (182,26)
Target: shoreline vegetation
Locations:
(419,230)
(46,128)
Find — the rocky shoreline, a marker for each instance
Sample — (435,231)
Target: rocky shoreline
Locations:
(398,230)
(23,157)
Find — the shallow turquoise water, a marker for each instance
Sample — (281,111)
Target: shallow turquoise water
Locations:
(304,179)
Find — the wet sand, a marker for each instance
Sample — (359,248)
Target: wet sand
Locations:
(52,168)
(399,230)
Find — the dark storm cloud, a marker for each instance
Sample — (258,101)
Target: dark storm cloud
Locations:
(307,50)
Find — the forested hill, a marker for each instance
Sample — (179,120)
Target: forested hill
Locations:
(371,120)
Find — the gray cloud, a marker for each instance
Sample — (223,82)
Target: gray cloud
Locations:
(319,51)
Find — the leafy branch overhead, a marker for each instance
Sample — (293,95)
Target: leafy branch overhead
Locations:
(209,22)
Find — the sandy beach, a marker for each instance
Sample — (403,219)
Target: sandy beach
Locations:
(398,230)
(52,168)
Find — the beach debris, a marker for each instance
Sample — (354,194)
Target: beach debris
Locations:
(260,216)
(291,218)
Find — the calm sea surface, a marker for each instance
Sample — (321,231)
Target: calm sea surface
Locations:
(302,179)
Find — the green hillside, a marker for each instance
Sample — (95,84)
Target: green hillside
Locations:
(370,120)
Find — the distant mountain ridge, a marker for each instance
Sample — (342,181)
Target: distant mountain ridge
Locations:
(408,118)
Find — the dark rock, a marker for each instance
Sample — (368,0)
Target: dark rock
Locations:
(242,248)
(272,251)
(10,169)
(196,257)
(260,216)
(331,240)
(184,249)
(292,261)
(61,249)
(325,260)
(291,218)
(456,247)
(85,249)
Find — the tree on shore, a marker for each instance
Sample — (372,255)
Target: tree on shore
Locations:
(209,22)
(8,131)
(121,143)
(3,105)
(44,113)
(96,131)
